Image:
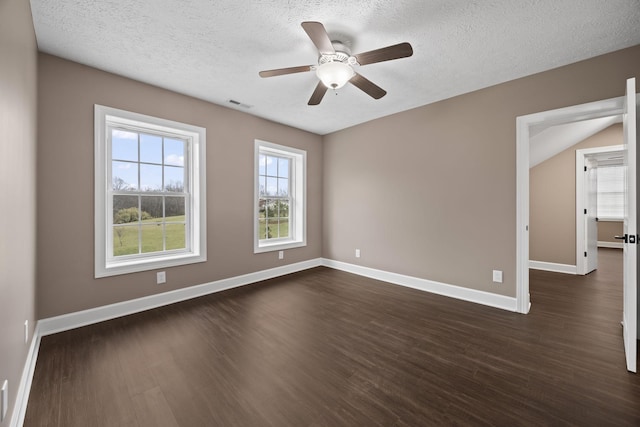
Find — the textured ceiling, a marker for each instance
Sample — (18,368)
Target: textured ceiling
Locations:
(213,50)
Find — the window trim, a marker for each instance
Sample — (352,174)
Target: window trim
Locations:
(297,212)
(196,162)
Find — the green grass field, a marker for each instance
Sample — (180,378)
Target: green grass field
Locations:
(125,237)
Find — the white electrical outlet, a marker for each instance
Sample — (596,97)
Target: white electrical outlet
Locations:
(161,277)
(497,276)
(4,403)
(280,254)
(26,331)
(357,253)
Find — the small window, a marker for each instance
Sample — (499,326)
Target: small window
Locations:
(149,196)
(611,193)
(279,197)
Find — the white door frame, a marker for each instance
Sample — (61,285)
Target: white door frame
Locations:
(581,265)
(592,110)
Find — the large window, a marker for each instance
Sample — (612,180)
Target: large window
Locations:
(610,192)
(279,197)
(150,198)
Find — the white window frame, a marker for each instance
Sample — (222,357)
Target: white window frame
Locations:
(195,210)
(298,207)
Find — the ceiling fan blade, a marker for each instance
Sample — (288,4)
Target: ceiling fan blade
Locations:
(397,51)
(365,85)
(319,37)
(318,94)
(282,71)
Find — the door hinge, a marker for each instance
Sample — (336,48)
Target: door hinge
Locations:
(585,211)
(585,168)
(585,254)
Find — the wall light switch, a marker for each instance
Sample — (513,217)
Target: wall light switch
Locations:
(497,276)
(4,402)
(357,253)
(161,277)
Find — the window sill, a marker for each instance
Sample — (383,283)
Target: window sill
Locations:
(610,219)
(139,265)
(278,246)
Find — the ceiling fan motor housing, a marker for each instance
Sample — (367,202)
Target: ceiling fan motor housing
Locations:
(334,69)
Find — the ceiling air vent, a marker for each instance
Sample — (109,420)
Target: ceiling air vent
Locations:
(238,103)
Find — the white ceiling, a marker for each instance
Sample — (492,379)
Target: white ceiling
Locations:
(213,50)
(555,139)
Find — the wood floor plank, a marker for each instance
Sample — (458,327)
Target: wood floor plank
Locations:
(152,409)
(328,348)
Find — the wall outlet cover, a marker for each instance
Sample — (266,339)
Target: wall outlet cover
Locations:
(161,277)
(497,276)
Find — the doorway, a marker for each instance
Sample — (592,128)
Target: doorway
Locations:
(524,127)
(594,165)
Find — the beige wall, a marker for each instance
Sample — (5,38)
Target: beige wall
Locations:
(18,60)
(552,199)
(608,229)
(431,192)
(67,94)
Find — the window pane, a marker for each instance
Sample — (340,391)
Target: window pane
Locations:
(611,192)
(124,176)
(175,236)
(124,145)
(271,209)
(125,220)
(272,230)
(150,177)
(150,148)
(174,179)
(152,236)
(152,210)
(283,209)
(262,208)
(272,166)
(283,187)
(272,186)
(283,227)
(283,168)
(262,227)
(125,209)
(174,152)
(125,239)
(262,164)
(262,185)
(174,208)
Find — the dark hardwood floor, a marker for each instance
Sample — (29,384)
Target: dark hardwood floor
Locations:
(327,348)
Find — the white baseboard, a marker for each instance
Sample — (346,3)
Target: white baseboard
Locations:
(453,291)
(615,245)
(24,388)
(77,319)
(552,266)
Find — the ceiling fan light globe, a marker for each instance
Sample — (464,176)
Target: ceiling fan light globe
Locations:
(334,75)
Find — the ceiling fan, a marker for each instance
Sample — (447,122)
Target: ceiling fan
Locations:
(335,64)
